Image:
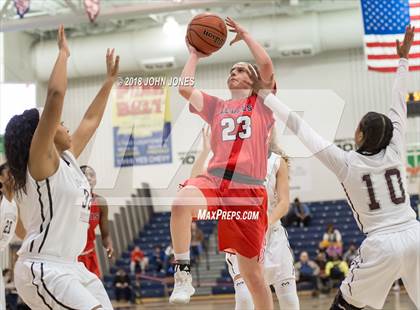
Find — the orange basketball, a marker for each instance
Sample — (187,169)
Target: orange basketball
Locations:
(207,33)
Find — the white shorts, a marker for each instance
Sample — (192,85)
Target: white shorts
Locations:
(278,258)
(53,285)
(384,258)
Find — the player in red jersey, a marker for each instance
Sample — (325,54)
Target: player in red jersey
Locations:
(98,216)
(235,176)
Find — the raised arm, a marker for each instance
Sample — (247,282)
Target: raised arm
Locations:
(199,166)
(398,110)
(95,112)
(189,92)
(263,60)
(104,226)
(43,157)
(282,189)
(327,152)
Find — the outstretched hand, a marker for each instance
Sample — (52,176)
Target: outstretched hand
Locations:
(236,28)
(112,65)
(62,41)
(261,87)
(403,49)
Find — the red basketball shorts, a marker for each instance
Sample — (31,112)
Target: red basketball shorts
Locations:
(241,211)
(90,260)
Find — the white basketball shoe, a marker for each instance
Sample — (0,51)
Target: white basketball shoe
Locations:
(183,288)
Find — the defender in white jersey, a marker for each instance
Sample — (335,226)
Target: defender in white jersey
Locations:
(278,257)
(374,180)
(54,196)
(10,223)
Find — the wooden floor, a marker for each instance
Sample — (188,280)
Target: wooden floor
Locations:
(395,301)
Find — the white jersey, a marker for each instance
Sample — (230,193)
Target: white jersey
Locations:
(8,221)
(55,213)
(375,185)
(273,166)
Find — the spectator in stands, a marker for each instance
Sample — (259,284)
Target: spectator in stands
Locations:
(302,214)
(307,271)
(336,268)
(139,261)
(158,258)
(324,282)
(350,254)
(197,238)
(122,285)
(331,241)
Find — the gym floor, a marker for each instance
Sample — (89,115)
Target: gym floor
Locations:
(395,301)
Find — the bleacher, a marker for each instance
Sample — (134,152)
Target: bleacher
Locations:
(307,239)
(157,232)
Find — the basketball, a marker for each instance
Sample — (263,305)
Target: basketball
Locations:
(207,33)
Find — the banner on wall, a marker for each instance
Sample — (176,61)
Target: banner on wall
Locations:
(138,121)
(413,161)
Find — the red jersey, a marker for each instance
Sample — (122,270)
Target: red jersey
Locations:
(246,119)
(136,256)
(94,219)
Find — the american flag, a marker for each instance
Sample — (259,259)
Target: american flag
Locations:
(385,22)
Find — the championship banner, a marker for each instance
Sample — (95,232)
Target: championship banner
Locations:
(22,7)
(138,118)
(92,8)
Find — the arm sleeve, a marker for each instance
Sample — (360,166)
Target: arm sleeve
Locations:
(209,106)
(328,153)
(398,111)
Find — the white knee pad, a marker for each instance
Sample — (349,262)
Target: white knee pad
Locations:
(287,294)
(243,298)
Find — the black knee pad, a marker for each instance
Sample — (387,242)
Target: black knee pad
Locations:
(339,303)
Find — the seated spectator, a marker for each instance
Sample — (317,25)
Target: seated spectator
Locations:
(197,238)
(158,258)
(138,261)
(350,254)
(307,271)
(324,282)
(302,213)
(122,285)
(336,268)
(298,215)
(331,241)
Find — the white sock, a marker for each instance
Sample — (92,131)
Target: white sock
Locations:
(243,298)
(287,294)
(182,256)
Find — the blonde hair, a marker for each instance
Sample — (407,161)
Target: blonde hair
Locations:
(275,147)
